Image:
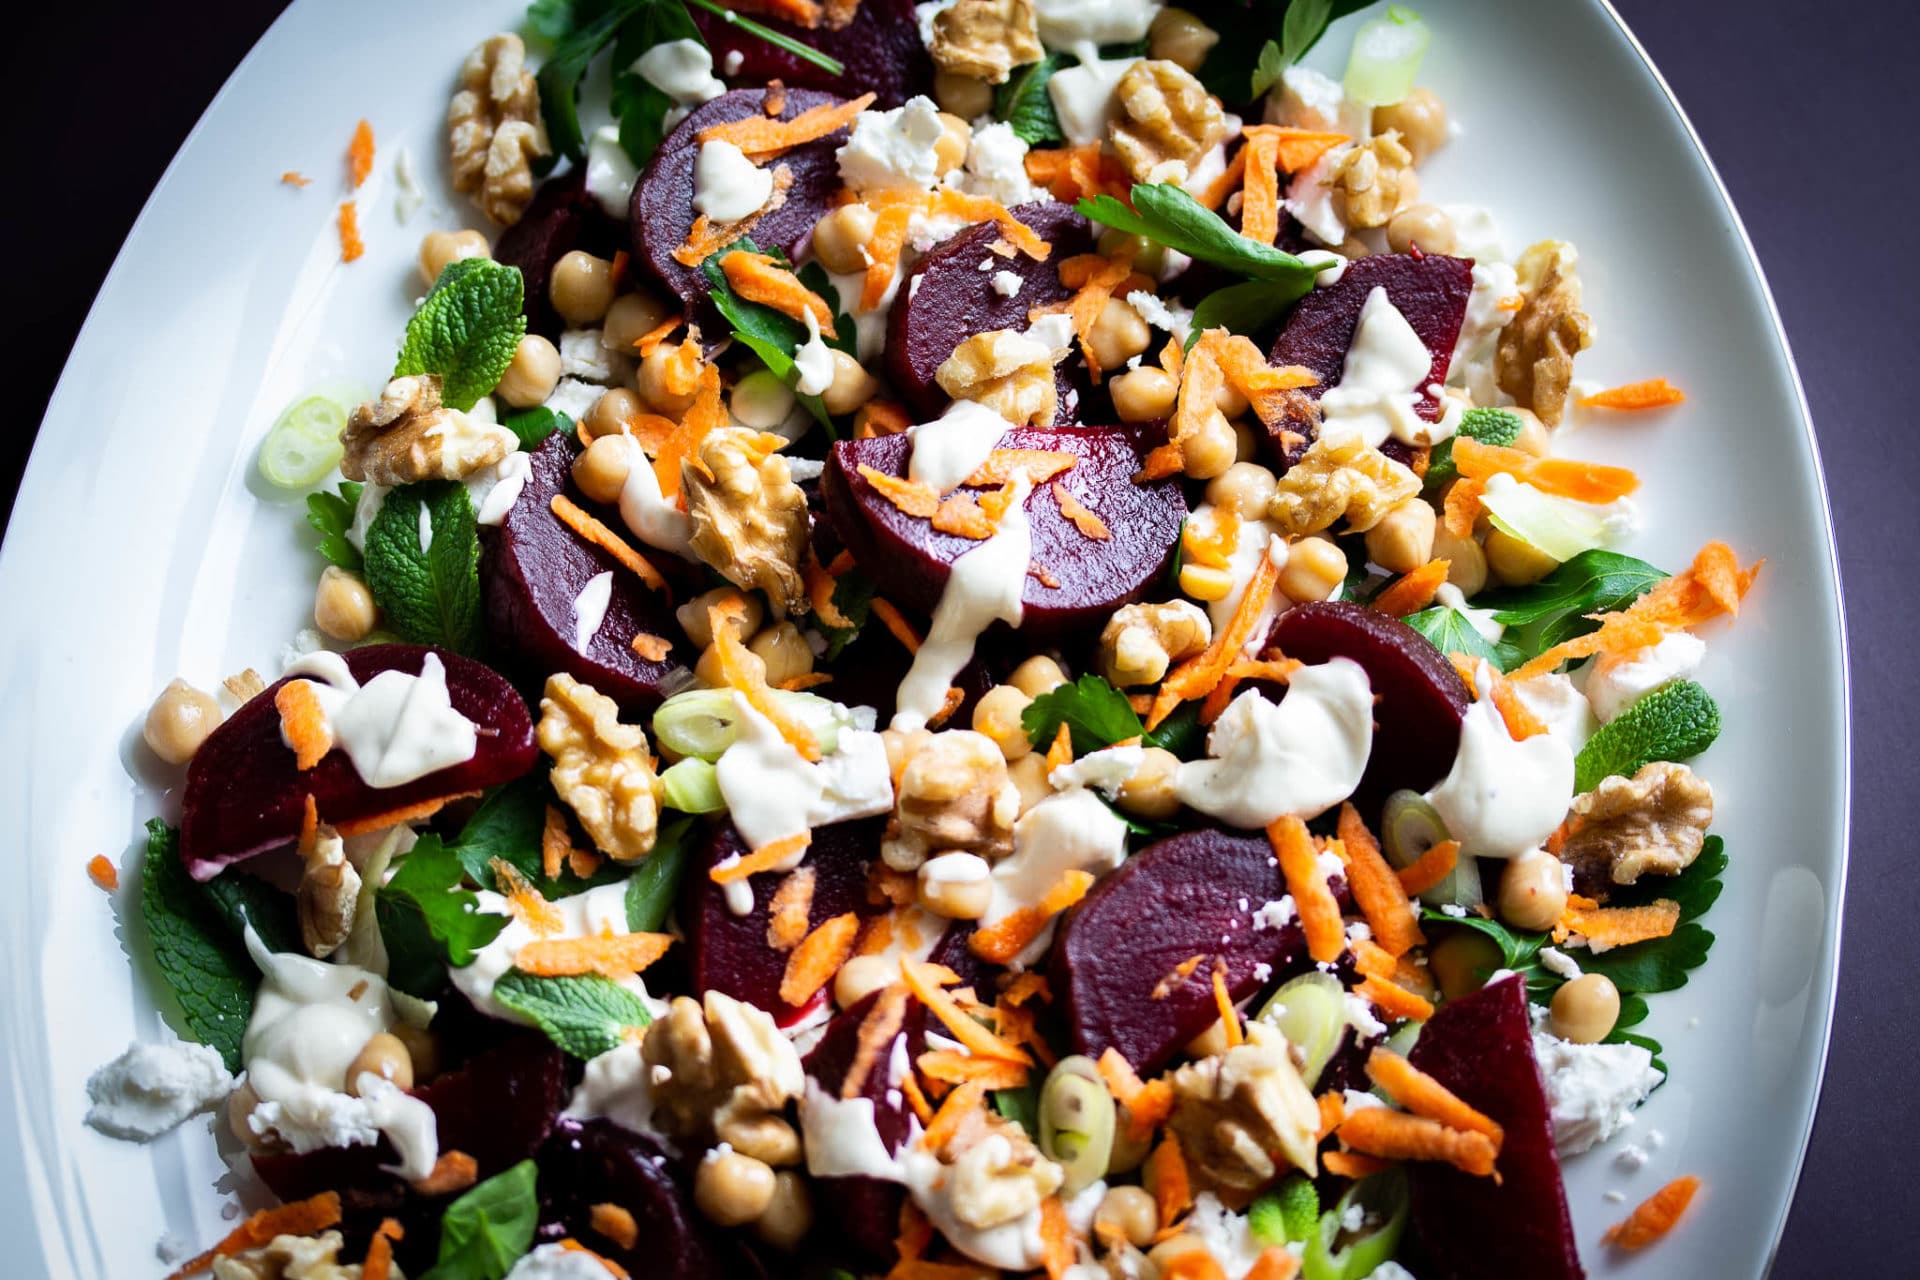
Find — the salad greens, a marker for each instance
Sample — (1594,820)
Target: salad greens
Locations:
(331,515)
(200,956)
(466,330)
(487,1230)
(773,336)
(656,881)
(585,1015)
(429,921)
(1560,605)
(429,594)
(1166,215)
(1675,722)
(1487,425)
(1025,105)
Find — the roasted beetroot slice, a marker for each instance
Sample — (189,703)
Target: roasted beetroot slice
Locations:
(1468,1228)
(946,297)
(730,953)
(536,567)
(562,218)
(244,795)
(592,1162)
(881,50)
(1430,291)
(1092,577)
(1419,699)
(662,209)
(1194,894)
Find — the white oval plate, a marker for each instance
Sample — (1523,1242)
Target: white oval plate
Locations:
(143,546)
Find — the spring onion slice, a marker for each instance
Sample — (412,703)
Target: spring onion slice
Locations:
(831,66)
(1560,527)
(1386,57)
(700,722)
(692,786)
(303,445)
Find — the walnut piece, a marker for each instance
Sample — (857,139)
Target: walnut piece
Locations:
(1374,180)
(407,436)
(1140,641)
(954,797)
(601,768)
(289,1258)
(1653,823)
(1340,477)
(494,130)
(328,895)
(999,1178)
(1240,1113)
(986,39)
(1534,360)
(722,1070)
(1166,122)
(1010,373)
(749,517)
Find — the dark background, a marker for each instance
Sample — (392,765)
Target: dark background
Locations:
(1807,109)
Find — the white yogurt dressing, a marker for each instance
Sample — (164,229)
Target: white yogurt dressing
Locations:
(1011,1246)
(726,185)
(558,1262)
(598,911)
(1106,770)
(1380,385)
(1065,24)
(648,514)
(1473,351)
(1561,707)
(813,362)
(683,70)
(954,445)
(618,1086)
(590,609)
(495,489)
(1083,96)
(396,728)
(611,173)
(842,1139)
(1069,831)
(1482,621)
(1502,798)
(1617,681)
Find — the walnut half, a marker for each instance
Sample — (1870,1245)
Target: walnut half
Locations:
(1010,373)
(749,517)
(407,436)
(721,1069)
(1241,1113)
(494,129)
(328,896)
(601,768)
(954,797)
(1534,361)
(1336,478)
(1140,641)
(1166,123)
(986,39)
(1653,823)
(289,1258)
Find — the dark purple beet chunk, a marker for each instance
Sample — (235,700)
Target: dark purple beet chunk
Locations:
(1419,699)
(1468,1228)
(562,218)
(730,953)
(1429,290)
(534,570)
(911,561)
(1171,901)
(597,1161)
(946,298)
(880,48)
(244,795)
(662,209)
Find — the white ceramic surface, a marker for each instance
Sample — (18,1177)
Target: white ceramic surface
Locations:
(143,546)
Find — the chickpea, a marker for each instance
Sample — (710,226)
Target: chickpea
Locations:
(1403,540)
(1163,1254)
(860,977)
(531,375)
(1421,119)
(765,1137)
(1182,39)
(179,721)
(439,248)
(385,1057)
(1029,774)
(1245,488)
(707,669)
(1534,438)
(1516,563)
(950,149)
(1118,334)
(784,651)
(651,383)
(1037,675)
(840,239)
(1211,448)
(1209,1043)
(240,1105)
(761,400)
(631,317)
(1149,793)
(692,616)
(343,608)
(1129,1210)
(1315,566)
(956,885)
(962,95)
(611,412)
(601,469)
(1585,1009)
(1533,891)
(1229,400)
(1353,248)
(1246,442)
(422,1046)
(581,288)
(1127,1152)
(732,1189)
(1425,225)
(1205,582)
(1466,562)
(789,1215)
(997,715)
(1461,961)
(852,385)
(1145,394)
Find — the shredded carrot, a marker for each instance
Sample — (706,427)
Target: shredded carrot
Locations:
(593,530)
(1260,194)
(1035,466)
(301,1218)
(1397,1135)
(916,1098)
(646,342)
(787,914)
(1024,987)
(1371,960)
(1197,676)
(1377,890)
(1194,1264)
(1319,913)
(1562,477)
(876,1034)
(617,273)
(379,1260)
(1265,386)
(611,955)
(1227,183)
(1000,942)
(417,812)
(963,1101)
(762,138)
(1421,1094)
(818,957)
(1211,539)
(748,679)
(765,858)
(1297,148)
(615,1223)
(101,871)
(524,901)
(360,153)
(1060,750)
(924,980)
(911,497)
(351,245)
(1462,507)
(1068,173)
(820,587)
(304,723)
(1414,591)
(1147,1104)
(706,414)
(1395,1000)
(758,278)
(1094,280)
(883,254)
(1276,669)
(893,620)
(309,825)
(571,1245)
(1274,1263)
(1089,524)
(1521,722)
(1056,1238)
(452,1171)
(1229,1016)
(951,1067)
(915,1233)
(1351,1164)
(294,178)
(1166,1171)
(1333,1109)
(651,647)
(963,516)
(774,102)
(555,843)
(1430,868)
(880,418)
(1654,393)
(1606,927)
(921,1269)
(1655,1216)
(583,862)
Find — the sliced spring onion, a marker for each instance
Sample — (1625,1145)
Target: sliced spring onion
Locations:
(1077,1122)
(303,444)
(699,722)
(1409,826)
(1560,527)
(1311,1012)
(1335,1253)
(831,66)
(1386,57)
(692,786)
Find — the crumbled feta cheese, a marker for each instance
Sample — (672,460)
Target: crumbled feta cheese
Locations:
(1453,909)
(1632,1158)
(1083,96)
(924,14)
(1615,1197)
(1106,770)
(1618,681)
(574,397)
(1361,1015)
(557,1262)
(1174,319)
(1262,971)
(997,165)
(584,356)
(1227,1235)
(152,1088)
(1359,931)
(1275,914)
(1554,960)
(1308,99)
(893,150)
(1592,1088)
(1006,283)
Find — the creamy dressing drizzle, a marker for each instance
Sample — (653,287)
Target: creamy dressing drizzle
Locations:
(1299,757)
(396,728)
(726,185)
(1502,798)
(842,1140)
(1379,390)
(954,445)
(590,609)
(649,515)
(494,494)
(597,911)
(1069,831)
(813,362)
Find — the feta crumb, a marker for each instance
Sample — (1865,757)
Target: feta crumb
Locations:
(1175,319)
(1632,1158)
(893,150)
(1614,1197)
(557,1262)
(574,397)
(151,1088)
(1359,931)
(1275,914)
(1262,971)
(1360,1014)
(1006,283)
(1554,960)
(1453,909)
(1592,1088)
(1359,1100)
(584,356)
(997,166)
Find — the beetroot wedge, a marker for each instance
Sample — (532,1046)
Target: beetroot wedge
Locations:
(1419,699)
(1087,578)
(1117,957)
(881,50)
(1429,290)
(244,795)
(535,569)
(730,953)
(593,1162)
(562,218)
(1468,1228)
(662,209)
(947,298)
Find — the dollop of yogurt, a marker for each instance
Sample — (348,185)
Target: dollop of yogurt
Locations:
(396,728)
(1298,757)
(1502,798)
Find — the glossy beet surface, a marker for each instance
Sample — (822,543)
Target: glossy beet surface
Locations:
(594,1162)
(244,795)
(535,568)
(1420,699)
(911,561)
(1430,291)
(662,209)
(881,50)
(1194,894)
(1469,1228)
(946,298)
(562,218)
(730,953)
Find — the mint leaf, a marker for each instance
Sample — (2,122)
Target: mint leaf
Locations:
(1098,715)
(1024,103)
(1486,425)
(1558,607)
(1287,1214)
(1165,214)
(487,1230)
(1240,308)
(509,825)
(534,425)
(241,900)
(465,330)
(1449,631)
(331,515)
(431,595)
(656,880)
(429,921)
(202,962)
(586,1015)
(1675,722)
